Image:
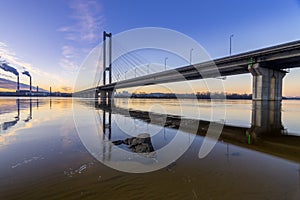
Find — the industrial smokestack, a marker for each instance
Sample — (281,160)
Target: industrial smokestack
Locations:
(50,91)
(37,88)
(27,74)
(18,83)
(30,84)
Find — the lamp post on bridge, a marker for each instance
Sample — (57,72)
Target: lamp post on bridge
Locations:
(148,68)
(191,50)
(166,58)
(125,74)
(230,43)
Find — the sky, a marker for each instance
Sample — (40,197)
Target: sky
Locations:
(51,39)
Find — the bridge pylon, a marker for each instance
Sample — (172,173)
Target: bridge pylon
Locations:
(106,95)
(105,68)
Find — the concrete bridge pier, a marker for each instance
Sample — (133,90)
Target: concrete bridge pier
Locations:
(106,97)
(267,83)
(103,96)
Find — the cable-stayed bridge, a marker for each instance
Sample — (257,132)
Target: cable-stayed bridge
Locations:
(268,67)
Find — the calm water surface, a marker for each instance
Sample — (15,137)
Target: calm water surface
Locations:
(42,156)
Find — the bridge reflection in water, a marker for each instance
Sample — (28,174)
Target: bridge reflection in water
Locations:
(266,133)
(266,119)
(47,152)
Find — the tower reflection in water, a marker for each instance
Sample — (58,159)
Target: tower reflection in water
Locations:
(139,144)
(15,105)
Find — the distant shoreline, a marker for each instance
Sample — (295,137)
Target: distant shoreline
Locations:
(34,94)
(145,96)
(193,96)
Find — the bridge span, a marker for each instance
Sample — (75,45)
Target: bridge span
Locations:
(267,66)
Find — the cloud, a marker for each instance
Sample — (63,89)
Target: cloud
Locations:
(11,57)
(66,89)
(87,21)
(2,44)
(7,84)
(83,32)
(68,65)
(13,60)
(69,51)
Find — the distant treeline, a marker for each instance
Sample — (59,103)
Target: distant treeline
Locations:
(205,95)
(291,98)
(187,96)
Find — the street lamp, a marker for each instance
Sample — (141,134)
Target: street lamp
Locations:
(230,44)
(125,74)
(148,68)
(166,58)
(191,55)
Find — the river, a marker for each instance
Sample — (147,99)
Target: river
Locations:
(64,148)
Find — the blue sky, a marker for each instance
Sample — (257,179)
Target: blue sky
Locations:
(50,39)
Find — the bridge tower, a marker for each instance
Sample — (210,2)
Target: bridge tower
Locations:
(107,69)
(106,94)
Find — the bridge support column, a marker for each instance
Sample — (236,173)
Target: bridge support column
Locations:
(267,83)
(103,97)
(109,97)
(106,97)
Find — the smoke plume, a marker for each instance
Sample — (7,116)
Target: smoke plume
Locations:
(26,73)
(8,68)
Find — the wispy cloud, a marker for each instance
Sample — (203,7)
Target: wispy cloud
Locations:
(11,57)
(66,89)
(84,31)
(87,21)
(68,65)
(69,51)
